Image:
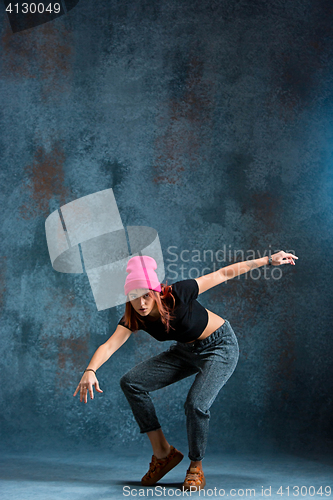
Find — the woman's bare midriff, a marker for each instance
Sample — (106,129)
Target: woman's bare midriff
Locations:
(214,322)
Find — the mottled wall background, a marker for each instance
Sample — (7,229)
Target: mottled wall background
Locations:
(213,123)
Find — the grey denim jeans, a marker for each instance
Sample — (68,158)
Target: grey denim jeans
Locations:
(212,359)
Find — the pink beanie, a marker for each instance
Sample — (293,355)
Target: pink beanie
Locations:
(141,274)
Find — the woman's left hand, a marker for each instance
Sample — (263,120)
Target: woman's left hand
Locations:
(283,258)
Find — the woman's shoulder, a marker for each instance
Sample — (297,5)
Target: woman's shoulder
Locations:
(186,290)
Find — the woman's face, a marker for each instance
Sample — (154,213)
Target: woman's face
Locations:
(141,301)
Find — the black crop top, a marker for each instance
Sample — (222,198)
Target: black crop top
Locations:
(191,318)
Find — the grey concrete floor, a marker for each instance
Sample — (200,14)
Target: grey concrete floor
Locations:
(93,475)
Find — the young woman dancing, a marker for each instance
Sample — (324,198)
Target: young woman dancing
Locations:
(205,345)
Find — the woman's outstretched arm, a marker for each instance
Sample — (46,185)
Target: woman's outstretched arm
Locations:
(226,273)
(102,354)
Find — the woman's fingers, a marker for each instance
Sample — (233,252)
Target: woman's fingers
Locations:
(84,388)
(84,393)
(97,387)
(292,256)
(91,391)
(288,258)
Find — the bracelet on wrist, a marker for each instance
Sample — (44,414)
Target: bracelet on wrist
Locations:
(270,260)
(89,370)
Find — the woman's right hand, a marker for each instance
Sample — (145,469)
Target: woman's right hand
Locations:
(283,258)
(86,384)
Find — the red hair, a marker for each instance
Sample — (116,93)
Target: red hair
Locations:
(165,302)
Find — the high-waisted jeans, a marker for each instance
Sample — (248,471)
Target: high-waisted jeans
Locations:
(212,359)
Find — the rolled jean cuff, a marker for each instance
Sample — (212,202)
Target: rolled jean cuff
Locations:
(195,459)
(149,430)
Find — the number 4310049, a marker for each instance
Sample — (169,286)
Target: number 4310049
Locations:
(33,8)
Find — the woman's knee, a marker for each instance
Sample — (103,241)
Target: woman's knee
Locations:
(132,381)
(193,406)
(125,381)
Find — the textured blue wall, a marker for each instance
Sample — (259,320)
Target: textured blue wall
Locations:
(212,122)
